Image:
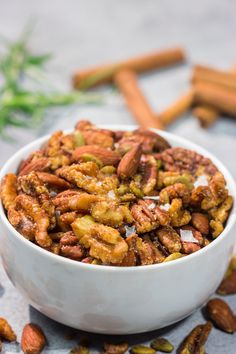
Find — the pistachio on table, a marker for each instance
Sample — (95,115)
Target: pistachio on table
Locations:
(142,349)
(162,345)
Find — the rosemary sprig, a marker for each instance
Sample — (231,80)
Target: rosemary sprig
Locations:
(21,107)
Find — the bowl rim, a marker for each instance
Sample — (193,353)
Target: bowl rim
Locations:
(105,268)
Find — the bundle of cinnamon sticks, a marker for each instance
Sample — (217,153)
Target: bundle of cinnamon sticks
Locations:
(212,92)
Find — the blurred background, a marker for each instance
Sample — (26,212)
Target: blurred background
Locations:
(84,33)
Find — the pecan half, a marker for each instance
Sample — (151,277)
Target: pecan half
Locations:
(177,190)
(130,259)
(75,202)
(110,213)
(23,224)
(170,239)
(182,160)
(119,348)
(178,215)
(159,143)
(103,242)
(149,253)
(144,220)
(98,138)
(33,186)
(150,141)
(34,211)
(86,177)
(8,190)
(149,175)
(216,228)
(221,212)
(195,341)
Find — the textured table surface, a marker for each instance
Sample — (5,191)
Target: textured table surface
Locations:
(87,32)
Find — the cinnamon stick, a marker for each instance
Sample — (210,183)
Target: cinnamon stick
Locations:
(206,115)
(173,112)
(104,73)
(209,75)
(126,80)
(217,97)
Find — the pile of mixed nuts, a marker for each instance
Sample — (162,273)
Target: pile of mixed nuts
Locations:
(218,312)
(117,198)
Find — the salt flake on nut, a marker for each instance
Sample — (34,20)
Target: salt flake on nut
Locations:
(152,197)
(151,206)
(201,181)
(165,207)
(187,236)
(111,195)
(129,230)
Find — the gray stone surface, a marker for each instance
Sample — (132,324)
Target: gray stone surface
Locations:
(87,32)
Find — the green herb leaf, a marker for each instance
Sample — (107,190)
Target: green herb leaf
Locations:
(26,108)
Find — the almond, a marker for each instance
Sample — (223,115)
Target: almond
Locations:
(228,285)
(33,339)
(6,332)
(221,314)
(41,164)
(107,157)
(130,162)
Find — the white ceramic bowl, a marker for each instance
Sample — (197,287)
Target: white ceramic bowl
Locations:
(115,300)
